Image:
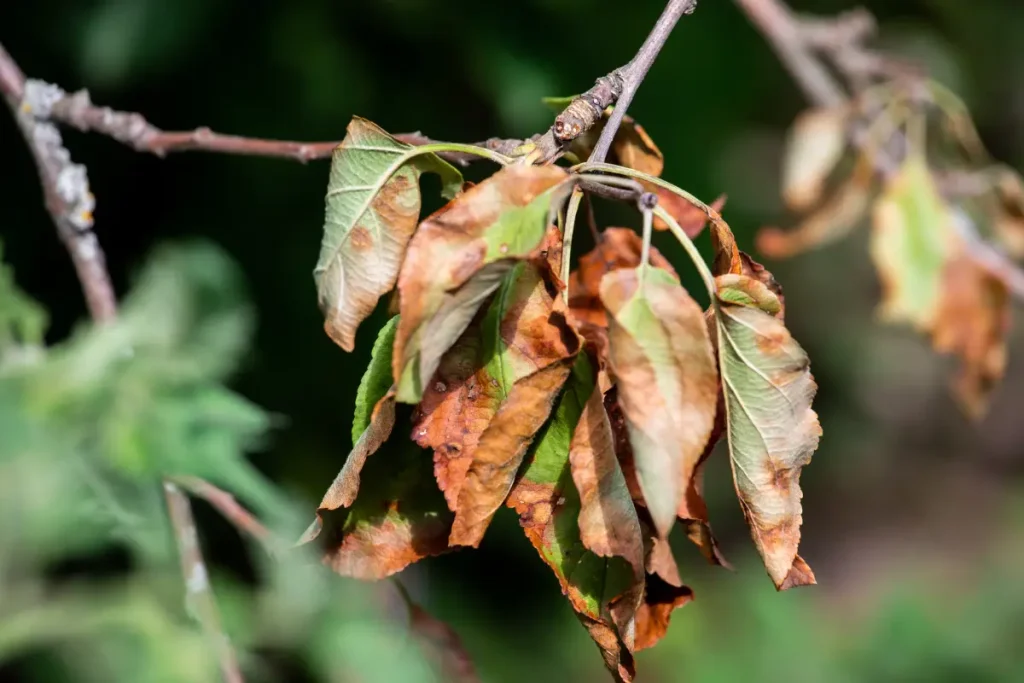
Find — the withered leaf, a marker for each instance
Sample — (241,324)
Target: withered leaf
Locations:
(772,430)
(618,248)
(692,511)
(459,257)
(372,207)
(973,322)
(814,146)
(381,513)
(910,244)
(1009,222)
(575,509)
(833,220)
(494,390)
(661,359)
(690,218)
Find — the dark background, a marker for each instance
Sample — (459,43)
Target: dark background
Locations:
(911,512)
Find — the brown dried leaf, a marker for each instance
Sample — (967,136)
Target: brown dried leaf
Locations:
(493,392)
(973,322)
(660,356)
(691,219)
(382,513)
(832,221)
(814,147)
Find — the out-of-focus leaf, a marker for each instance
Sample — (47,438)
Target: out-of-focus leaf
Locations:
(832,221)
(910,244)
(772,431)
(376,380)
(495,388)
(575,508)
(459,257)
(1009,221)
(660,356)
(973,321)
(373,205)
(22,320)
(814,147)
(618,248)
(382,513)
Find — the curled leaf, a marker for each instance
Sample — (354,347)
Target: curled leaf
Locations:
(574,507)
(828,223)
(815,145)
(973,322)
(494,390)
(772,431)
(459,257)
(372,207)
(381,513)
(660,356)
(910,244)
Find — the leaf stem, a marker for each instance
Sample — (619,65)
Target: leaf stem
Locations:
(440,148)
(691,251)
(570,227)
(645,247)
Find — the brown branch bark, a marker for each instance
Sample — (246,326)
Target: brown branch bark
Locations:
(633,73)
(69,202)
(230,509)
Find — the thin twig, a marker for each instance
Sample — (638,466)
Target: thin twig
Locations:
(198,594)
(633,74)
(780,26)
(230,509)
(69,202)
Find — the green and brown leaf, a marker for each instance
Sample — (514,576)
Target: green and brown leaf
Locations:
(373,205)
(459,257)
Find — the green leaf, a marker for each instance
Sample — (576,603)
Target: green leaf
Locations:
(376,380)
(459,257)
(593,545)
(910,244)
(372,207)
(22,321)
(661,358)
(772,431)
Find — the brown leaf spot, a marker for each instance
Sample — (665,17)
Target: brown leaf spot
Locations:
(360,238)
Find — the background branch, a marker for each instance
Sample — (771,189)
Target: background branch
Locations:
(70,202)
(798,41)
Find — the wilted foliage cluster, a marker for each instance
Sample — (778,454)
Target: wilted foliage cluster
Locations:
(908,155)
(588,406)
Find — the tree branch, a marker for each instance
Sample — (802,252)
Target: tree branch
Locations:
(230,509)
(633,74)
(198,594)
(70,203)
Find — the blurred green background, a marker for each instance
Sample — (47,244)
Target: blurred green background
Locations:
(913,517)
